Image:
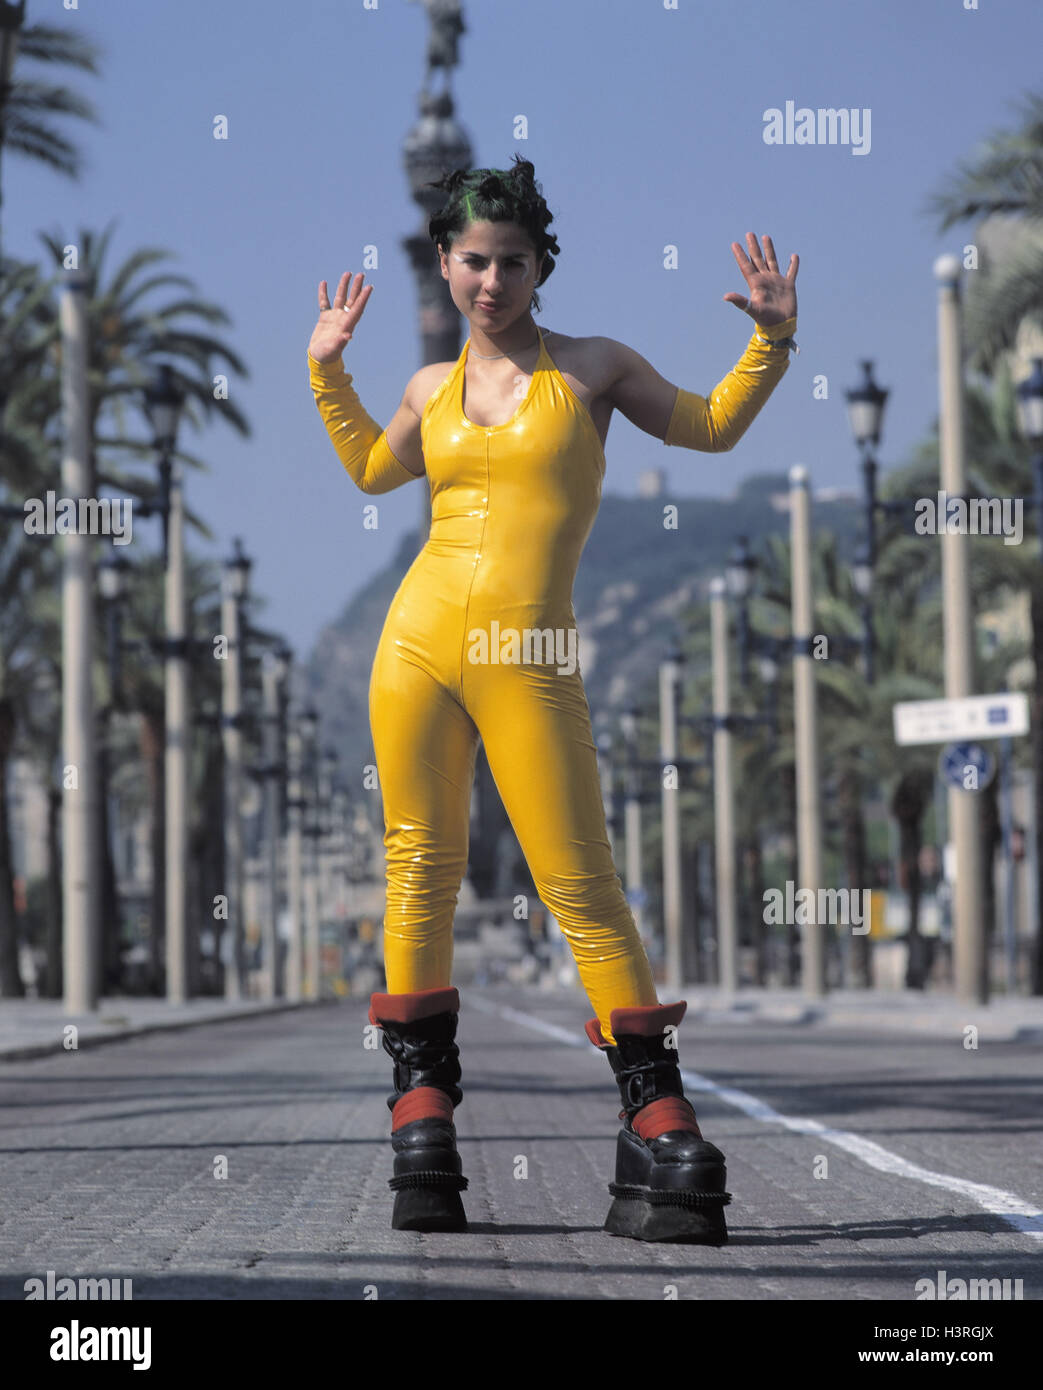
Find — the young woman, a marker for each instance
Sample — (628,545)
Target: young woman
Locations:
(511,438)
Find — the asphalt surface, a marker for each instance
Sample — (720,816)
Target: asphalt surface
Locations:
(862,1160)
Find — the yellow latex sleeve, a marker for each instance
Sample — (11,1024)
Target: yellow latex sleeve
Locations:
(360,443)
(718,424)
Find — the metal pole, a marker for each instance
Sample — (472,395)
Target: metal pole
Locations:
(231,716)
(632,837)
(668,680)
(1007,822)
(176,747)
(81,859)
(724,797)
(311,881)
(295,962)
(805,719)
(964,808)
(606,778)
(270,705)
(322,858)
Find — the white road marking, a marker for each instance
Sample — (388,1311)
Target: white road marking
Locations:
(1022,1216)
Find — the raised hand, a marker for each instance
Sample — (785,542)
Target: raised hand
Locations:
(337,322)
(773,297)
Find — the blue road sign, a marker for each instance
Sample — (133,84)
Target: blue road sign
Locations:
(956,758)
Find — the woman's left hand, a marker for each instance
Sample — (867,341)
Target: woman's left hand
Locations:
(773,296)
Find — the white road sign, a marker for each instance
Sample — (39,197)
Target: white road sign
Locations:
(973,717)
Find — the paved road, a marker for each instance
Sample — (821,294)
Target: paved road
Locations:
(107,1160)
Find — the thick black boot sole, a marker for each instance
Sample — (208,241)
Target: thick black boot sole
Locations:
(678,1201)
(691,1218)
(428,1202)
(428,1209)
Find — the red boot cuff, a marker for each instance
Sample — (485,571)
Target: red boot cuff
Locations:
(661,1116)
(407,1008)
(647,1021)
(425,1103)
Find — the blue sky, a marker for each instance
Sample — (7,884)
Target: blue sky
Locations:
(645,125)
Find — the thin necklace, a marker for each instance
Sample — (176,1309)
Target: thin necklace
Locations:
(498,355)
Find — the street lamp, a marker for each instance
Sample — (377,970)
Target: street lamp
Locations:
(673,929)
(235,585)
(274,671)
(309,726)
(865,409)
(862,576)
(629,719)
(724,798)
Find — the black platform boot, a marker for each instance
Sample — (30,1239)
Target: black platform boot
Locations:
(419,1031)
(670,1183)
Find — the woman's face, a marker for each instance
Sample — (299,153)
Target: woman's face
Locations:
(492,272)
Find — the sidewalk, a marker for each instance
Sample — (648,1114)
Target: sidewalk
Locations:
(35,1027)
(1003,1019)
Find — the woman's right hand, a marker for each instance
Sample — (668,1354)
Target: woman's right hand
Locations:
(336,322)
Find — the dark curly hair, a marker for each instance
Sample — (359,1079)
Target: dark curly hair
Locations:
(496,195)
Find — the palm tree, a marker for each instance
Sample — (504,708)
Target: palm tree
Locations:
(26,104)
(27,564)
(124,340)
(1003,180)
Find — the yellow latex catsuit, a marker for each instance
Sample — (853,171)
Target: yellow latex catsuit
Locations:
(511,508)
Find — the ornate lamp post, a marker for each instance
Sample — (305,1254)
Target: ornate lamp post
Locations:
(309,725)
(274,672)
(865,408)
(235,586)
